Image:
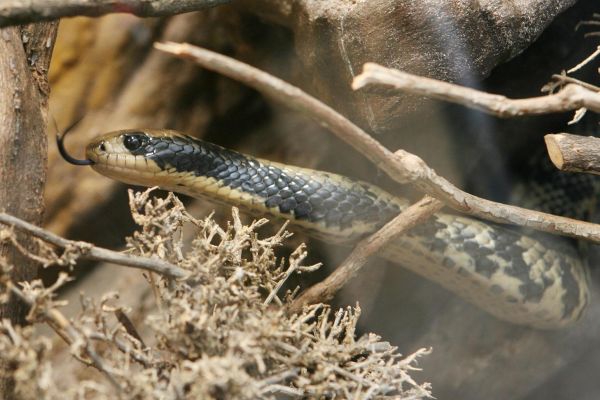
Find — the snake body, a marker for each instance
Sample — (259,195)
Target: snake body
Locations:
(515,276)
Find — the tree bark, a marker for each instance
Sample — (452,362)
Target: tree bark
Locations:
(24,59)
(13,12)
(574,153)
(453,40)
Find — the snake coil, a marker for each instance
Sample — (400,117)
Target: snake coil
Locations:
(517,277)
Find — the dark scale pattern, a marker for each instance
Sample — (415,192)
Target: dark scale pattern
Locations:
(312,198)
(531,290)
(549,190)
(427,231)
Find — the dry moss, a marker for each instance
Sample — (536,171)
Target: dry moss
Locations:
(223,332)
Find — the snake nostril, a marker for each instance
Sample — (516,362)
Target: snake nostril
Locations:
(102,147)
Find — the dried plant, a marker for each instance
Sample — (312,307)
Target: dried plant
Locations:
(223,331)
(24,355)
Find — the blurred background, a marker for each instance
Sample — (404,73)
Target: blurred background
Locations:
(106,74)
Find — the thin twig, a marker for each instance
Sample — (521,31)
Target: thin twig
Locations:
(292,97)
(325,290)
(571,97)
(17,12)
(280,377)
(91,252)
(570,79)
(586,61)
(400,166)
(295,266)
(57,319)
(586,23)
(124,348)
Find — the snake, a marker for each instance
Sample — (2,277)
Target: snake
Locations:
(517,276)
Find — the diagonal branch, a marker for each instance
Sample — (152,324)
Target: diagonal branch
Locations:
(571,97)
(16,12)
(326,289)
(400,166)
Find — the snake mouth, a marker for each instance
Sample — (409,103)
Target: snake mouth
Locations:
(117,163)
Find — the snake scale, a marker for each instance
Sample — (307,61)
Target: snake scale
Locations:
(515,276)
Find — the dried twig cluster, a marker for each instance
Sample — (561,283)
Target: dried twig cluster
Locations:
(222,331)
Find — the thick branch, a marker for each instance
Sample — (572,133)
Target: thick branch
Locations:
(571,97)
(22,149)
(326,289)
(38,41)
(574,153)
(17,12)
(400,166)
(94,253)
(22,146)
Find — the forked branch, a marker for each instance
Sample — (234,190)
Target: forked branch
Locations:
(570,97)
(401,166)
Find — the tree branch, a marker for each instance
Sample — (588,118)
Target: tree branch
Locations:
(573,153)
(326,289)
(38,41)
(17,12)
(400,166)
(571,97)
(57,321)
(23,149)
(91,252)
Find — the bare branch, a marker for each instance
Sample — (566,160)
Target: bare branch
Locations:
(400,166)
(90,252)
(56,319)
(292,97)
(560,78)
(326,289)
(574,153)
(571,97)
(17,12)
(587,23)
(585,62)
(23,151)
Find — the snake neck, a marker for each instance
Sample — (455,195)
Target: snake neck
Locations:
(325,204)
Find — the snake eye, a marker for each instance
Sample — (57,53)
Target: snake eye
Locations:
(133,142)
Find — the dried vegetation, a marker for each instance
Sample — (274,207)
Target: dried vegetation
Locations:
(221,332)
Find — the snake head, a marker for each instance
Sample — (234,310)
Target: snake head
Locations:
(124,143)
(129,155)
